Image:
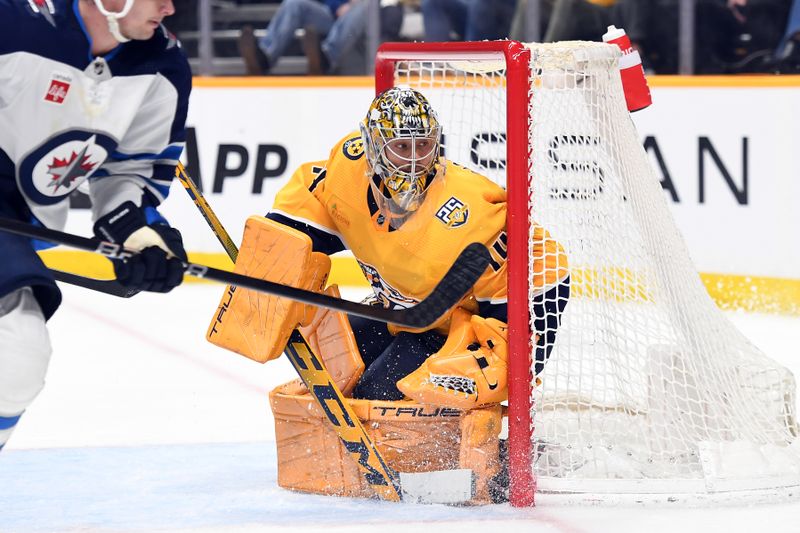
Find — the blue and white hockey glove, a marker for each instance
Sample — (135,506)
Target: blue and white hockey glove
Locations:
(158,265)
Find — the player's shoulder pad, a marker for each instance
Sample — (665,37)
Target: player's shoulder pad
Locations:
(38,9)
(310,172)
(470,182)
(162,54)
(345,160)
(311,167)
(18,17)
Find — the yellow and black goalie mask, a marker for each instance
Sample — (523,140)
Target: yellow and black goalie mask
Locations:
(402,136)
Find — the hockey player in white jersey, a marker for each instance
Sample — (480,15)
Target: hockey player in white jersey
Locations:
(91,91)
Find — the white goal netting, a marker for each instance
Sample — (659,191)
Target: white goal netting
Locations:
(649,388)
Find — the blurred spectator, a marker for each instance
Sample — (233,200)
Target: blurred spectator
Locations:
(519,31)
(787,53)
(468,20)
(340,23)
(185,17)
(588,20)
(731,36)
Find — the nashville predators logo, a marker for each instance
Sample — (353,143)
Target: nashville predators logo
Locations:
(453,213)
(384,294)
(353,148)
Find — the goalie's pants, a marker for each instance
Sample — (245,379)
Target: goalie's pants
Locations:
(389,358)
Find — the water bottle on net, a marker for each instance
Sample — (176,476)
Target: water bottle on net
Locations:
(634,83)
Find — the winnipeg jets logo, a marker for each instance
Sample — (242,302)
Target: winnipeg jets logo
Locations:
(66,171)
(44,8)
(52,171)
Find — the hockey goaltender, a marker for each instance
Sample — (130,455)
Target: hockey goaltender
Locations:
(424,402)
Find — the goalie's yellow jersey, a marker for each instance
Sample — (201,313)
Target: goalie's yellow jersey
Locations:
(404,265)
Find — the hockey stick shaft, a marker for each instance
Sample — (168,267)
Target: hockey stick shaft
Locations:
(316,377)
(113,287)
(462,275)
(106,286)
(208,213)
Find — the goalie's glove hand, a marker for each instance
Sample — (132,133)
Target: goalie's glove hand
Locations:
(158,267)
(470,369)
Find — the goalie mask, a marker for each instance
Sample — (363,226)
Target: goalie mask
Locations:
(402,137)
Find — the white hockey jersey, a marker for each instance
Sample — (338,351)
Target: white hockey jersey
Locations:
(117,121)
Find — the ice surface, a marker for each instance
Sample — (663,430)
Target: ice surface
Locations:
(143,426)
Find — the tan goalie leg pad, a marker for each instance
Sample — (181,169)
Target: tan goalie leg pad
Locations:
(330,337)
(411,438)
(255,324)
(480,447)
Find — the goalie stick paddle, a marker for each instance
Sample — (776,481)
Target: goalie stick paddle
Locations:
(464,272)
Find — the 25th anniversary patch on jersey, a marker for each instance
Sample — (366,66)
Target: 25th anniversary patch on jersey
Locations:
(353,148)
(453,213)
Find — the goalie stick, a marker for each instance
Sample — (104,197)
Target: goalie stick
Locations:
(211,218)
(464,272)
(384,481)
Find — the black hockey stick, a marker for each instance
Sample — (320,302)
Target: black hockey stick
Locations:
(106,286)
(461,276)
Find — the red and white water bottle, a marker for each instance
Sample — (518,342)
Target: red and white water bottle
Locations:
(634,83)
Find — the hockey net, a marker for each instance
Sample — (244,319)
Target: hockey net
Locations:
(649,389)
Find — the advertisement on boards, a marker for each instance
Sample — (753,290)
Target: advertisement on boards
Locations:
(726,158)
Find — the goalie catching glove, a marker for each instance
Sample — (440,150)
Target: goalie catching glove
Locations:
(470,369)
(158,267)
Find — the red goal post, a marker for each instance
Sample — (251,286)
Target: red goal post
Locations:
(517,66)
